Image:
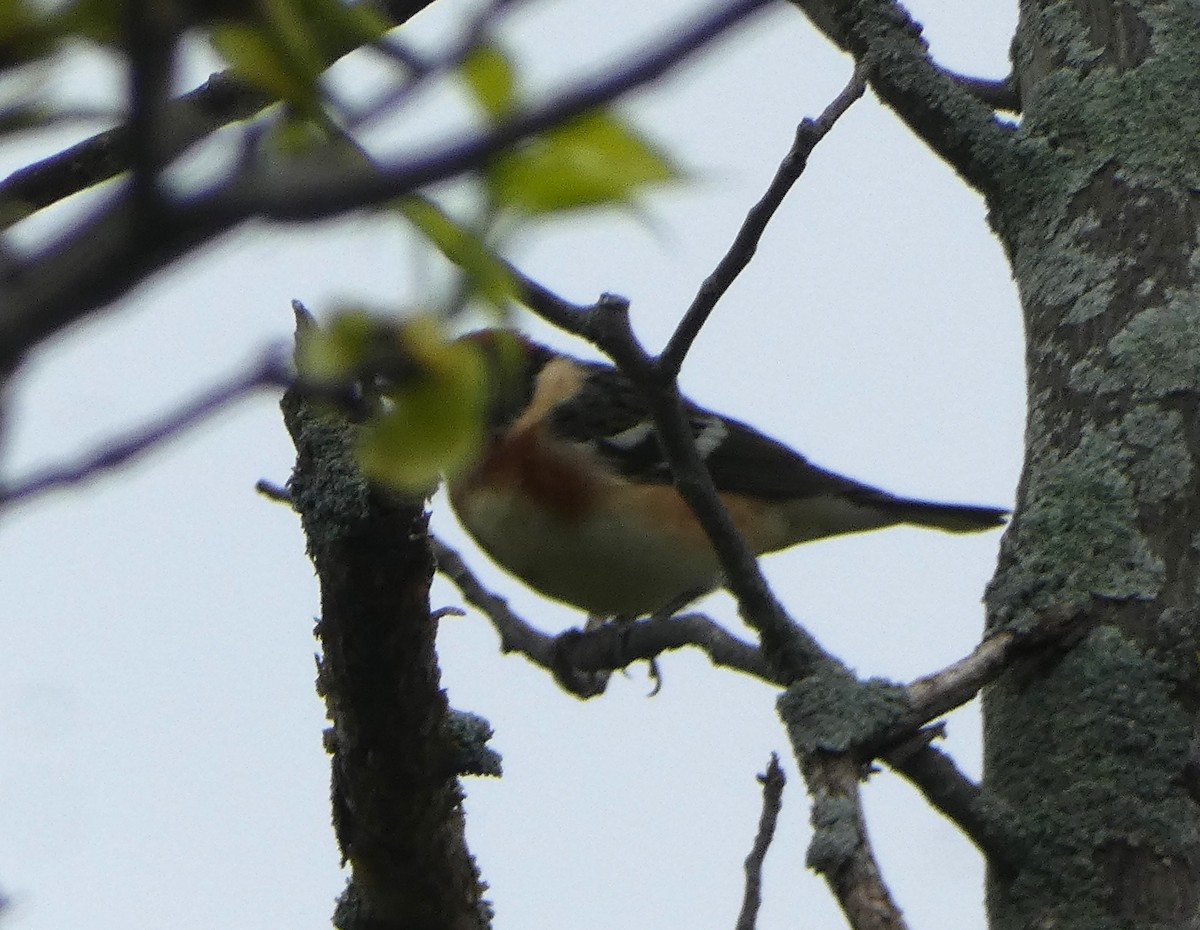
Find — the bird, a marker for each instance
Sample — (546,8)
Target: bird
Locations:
(571,492)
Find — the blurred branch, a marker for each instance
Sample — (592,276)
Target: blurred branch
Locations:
(271,371)
(151,37)
(102,258)
(191,118)
(745,243)
(773,781)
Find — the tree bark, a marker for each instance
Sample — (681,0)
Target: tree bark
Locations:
(1096,749)
(397,802)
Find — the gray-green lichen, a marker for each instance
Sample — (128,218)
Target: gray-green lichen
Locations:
(835,833)
(1144,118)
(1158,350)
(1077,537)
(1083,114)
(1155,453)
(833,712)
(1072,275)
(1091,755)
(330,493)
(468,735)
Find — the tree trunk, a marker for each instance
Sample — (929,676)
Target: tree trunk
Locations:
(1095,749)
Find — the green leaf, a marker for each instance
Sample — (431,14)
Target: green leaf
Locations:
(287,45)
(333,27)
(492,80)
(488,276)
(434,423)
(337,352)
(593,160)
(431,419)
(262,57)
(24,35)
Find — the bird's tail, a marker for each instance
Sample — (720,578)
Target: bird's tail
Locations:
(952,518)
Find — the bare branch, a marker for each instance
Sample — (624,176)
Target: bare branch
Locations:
(936,776)
(580,658)
(840,850)
(791,650)
(942,109)
(936,694)
(273,492)
(269,372)
(773,781)
(516,634)
(151,34)
(745,244)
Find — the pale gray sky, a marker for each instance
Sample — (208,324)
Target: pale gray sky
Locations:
(163,761)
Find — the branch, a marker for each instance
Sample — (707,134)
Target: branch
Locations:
(791,650)
(773,781)
(397,803)
(986,822)
(151,35)
(102,259)
(942,109)
(579,659)
(191,118)
(932,696)
(745,243)
(271,371)
(999,95)
(840,850)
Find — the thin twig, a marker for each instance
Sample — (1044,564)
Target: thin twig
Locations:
(942,109)
(516,634)
(792,650)
(933,695)
(745,243)
(772,781)
(268,372)
(273,492)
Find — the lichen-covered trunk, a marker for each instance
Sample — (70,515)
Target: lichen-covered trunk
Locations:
(1094,749)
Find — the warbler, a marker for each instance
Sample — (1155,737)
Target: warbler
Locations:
(572,494)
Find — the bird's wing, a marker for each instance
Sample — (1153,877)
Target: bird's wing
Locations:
(608,415)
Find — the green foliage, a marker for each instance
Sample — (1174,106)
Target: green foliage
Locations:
(596,159)
(24,34)
(492,80)
(288,44)
(488,277)
(431,393)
